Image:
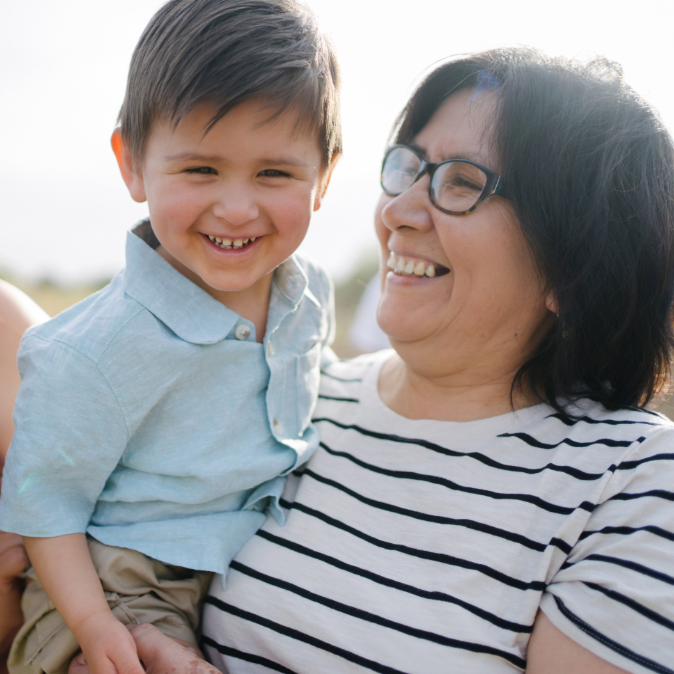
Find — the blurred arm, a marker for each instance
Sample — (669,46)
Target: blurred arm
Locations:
(17,313)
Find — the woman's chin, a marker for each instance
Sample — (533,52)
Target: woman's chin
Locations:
(401,323)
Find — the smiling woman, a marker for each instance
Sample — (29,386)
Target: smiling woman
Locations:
(493,497)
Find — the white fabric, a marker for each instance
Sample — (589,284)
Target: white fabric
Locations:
(426,547)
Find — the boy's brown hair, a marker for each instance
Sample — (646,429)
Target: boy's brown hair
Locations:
(225,52)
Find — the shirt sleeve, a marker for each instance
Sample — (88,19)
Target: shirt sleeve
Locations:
(70,434)
(615,593)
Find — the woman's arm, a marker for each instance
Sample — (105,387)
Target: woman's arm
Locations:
(17,313)
(552,652)
(158,653)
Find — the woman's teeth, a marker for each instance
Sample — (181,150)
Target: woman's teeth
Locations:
(229,243)
(411,267)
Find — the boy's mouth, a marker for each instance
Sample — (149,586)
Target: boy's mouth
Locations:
(231,244)
(408,266)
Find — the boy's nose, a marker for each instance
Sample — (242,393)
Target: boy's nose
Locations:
(236,206)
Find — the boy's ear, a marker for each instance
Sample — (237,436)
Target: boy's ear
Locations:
(322,189)
(132,177)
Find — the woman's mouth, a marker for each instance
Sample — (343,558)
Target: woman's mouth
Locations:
(410,266)
(230,244)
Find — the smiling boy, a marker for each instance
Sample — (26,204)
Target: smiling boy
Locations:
(157,419)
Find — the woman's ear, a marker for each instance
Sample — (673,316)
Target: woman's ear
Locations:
(132,175)
(551,303)
(325,181)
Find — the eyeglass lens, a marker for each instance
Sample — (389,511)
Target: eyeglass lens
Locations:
(456,185)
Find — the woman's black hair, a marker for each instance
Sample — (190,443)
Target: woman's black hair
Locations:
(589,170)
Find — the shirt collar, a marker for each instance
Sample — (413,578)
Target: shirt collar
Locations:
(185,308)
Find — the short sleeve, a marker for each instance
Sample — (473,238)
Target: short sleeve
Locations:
(615,593)
(70,434)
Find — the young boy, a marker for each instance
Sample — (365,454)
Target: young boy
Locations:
(156,419)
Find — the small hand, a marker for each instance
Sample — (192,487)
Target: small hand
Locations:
(160,655)
(107,645)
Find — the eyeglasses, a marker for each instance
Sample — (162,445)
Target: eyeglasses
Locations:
(457,186)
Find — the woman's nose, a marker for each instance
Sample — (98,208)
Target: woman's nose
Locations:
(236,205)
(410,209)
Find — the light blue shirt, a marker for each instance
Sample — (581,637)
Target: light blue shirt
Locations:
(150,418)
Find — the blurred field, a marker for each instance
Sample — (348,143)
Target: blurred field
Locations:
(54,298)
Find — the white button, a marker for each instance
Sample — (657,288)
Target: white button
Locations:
(270,349)
(242,332)
(278,426)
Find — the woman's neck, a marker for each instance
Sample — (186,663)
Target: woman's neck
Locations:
(428,392)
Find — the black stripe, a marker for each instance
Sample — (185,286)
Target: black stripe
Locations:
(645,411)
(375,619)
(655,493)
(346,381)
(533,442)
(634,605)
(388,582)
(246,657)
(634,566)
(341,400)
(572,421)
(626,531)
(536,585)
(468,524)
(618,648)
(482,458)
(629,465)
(300,636)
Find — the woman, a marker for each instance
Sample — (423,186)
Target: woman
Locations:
(491,497)
(17,313)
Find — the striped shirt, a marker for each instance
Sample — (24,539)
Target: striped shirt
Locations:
(423,546)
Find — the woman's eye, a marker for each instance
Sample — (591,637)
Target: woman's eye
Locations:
(273,173)
(465,184)
(201,170)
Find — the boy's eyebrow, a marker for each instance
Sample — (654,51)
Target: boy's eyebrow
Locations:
(211,159)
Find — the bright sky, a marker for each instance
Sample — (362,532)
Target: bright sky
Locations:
(63,206)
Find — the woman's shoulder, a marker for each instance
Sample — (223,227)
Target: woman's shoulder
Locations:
(620,427)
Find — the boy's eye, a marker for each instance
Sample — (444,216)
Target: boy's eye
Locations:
(273,173)
(202,170)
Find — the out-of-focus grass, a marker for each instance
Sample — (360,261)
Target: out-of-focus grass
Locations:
(54,298)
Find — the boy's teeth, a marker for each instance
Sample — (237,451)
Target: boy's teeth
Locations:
(228,243)
(408,267)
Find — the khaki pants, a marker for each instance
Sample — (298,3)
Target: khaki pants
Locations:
(138,590)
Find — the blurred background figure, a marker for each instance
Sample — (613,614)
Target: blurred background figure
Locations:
(17,313)
(365,334)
